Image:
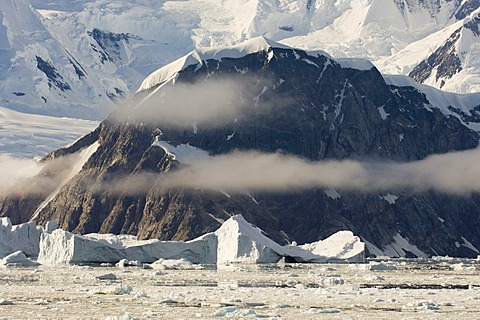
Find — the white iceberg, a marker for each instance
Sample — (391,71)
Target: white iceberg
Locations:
(239,241)
(17,259)
(341,246)
(236,241)
(22,237)
(65,247)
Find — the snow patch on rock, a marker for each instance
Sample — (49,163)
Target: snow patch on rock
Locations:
(184,153)
(398,248)
(390,198)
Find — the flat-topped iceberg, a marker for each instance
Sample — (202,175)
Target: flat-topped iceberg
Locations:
(236,241)
(23,237)
(65,247)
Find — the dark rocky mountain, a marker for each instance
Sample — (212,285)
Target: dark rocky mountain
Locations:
(318,110)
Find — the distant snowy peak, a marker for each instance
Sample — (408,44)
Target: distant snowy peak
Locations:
(77,58)
(440,10)
(40,75)
(453,65)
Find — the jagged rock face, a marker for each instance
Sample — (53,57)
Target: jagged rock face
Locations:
(323,111)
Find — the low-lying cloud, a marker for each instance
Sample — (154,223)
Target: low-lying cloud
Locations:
(453,173)
(29,177)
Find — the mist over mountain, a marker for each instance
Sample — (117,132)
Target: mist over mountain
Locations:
(301,144)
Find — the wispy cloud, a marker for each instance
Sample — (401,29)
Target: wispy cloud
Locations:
(30,177)
(209,103)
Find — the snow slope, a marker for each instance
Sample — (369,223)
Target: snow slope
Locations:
(451,104)
(447,59)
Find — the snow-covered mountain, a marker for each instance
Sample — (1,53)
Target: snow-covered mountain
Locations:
(76,58)
(448,59)
(303,121)
(41,75)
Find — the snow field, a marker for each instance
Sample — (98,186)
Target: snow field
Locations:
(28,136)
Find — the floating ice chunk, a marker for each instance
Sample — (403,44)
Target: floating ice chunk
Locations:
(108,276)
(382,267)
(463,267)
(4,302)
(115,289)
(164,264)
(124,317)
(122,263)
(236,241)
(18,259)
(225,311)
